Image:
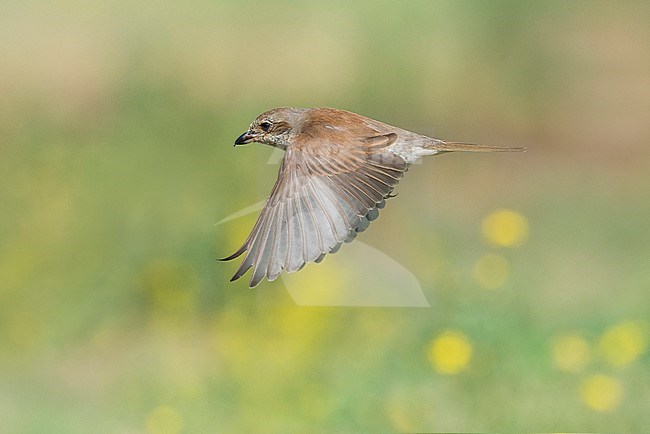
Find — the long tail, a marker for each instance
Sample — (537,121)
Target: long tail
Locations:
(441,146)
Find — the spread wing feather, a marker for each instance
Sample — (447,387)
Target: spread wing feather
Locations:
(323,197)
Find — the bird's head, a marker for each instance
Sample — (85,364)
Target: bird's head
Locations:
(274,127)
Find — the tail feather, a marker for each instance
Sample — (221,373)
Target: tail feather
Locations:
(441,146)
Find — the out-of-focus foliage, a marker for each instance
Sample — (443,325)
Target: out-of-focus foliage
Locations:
(116,127)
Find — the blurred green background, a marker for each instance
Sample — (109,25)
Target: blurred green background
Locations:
(116,126)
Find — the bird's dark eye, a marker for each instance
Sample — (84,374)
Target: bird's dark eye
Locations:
(265,125)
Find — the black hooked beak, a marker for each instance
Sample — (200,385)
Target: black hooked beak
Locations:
(247,137)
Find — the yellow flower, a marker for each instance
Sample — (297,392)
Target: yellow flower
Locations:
(491,271)
(623,343)
(450,352)
(506,228)
(164,420)
(571,352)
(601,393)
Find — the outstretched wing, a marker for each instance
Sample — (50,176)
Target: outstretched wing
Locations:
(326,192)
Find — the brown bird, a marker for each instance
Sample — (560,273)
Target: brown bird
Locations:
(337,172)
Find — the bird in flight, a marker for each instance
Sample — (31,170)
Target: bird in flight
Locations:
(338,170)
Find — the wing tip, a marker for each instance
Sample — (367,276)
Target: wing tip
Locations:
(254,282)
(243,268)
(235,255)
(251,284)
